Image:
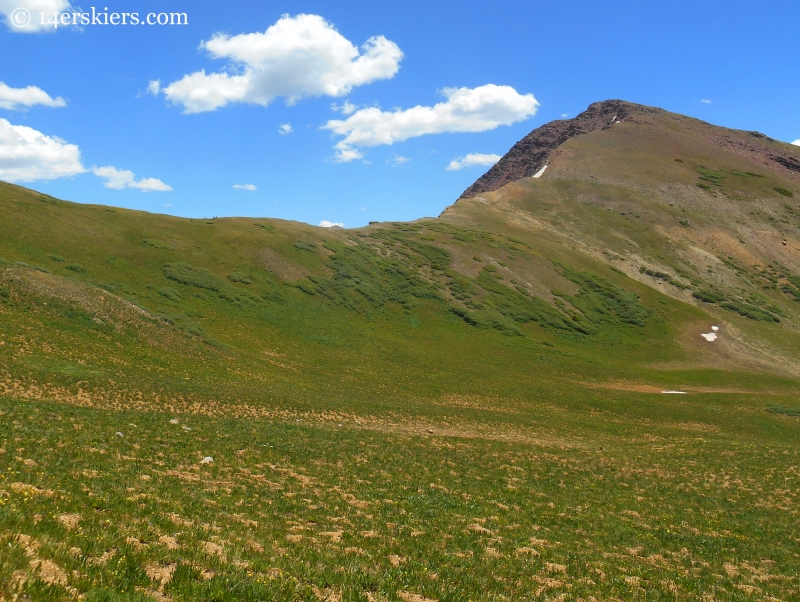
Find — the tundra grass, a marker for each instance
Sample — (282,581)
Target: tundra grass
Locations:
(687,502)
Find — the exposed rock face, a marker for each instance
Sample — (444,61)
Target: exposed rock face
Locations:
(531,153)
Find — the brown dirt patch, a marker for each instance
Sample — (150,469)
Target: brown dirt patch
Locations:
(49,572)
(70,521)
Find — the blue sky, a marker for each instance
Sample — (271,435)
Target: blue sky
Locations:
(97,129)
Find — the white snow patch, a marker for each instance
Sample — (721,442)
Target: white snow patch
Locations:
(674,392)
(715,328)
(539,173)
(709,336)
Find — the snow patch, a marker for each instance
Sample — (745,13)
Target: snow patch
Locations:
(709,336)
(539,173)
(674,392)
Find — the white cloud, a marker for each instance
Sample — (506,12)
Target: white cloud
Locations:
(564,115)
(326,224)
(14,99)
(27,155)
(345,155)
(346,108)
(796,142)
(154,87)
(250,187)
(465,110)
(15,16)
(473,159)
(119,179)
(285,128)
(294,58)
(705,101)
(398,160)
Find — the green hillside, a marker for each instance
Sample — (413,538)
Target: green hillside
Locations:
(461,408)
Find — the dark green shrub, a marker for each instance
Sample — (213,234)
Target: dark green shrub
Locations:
(240,278)
(778,409)
(193,276)
(303,245)
(783,191)
(750,311)
(169,294)
(156,244)
(709,296)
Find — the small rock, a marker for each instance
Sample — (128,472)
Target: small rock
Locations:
(118,434)
(207,460)
(174,421)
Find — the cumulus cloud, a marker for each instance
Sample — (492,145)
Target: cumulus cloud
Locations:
(119,179)
(398,160)
(285,128)
(326,224)
(14,99)
(294,58)
(27,155)
(464,110)
(154,87)
(796,142)
(346,108)
(705,101)
(473,159)
(250,187)
(15,21)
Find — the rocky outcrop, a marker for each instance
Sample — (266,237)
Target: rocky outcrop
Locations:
(531,153)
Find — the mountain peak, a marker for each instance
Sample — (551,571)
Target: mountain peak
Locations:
(531,154)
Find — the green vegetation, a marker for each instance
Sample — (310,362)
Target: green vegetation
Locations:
(462,408)
(783,191)
(764,311)
(712,177)
(778,409)
(156,244)
(306,509)
(240,278)
(199,277)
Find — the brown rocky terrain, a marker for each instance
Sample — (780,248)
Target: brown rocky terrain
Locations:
(536,149)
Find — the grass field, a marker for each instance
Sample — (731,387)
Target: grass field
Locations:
(605,494)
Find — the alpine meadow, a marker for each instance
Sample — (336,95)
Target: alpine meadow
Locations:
(580,382)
